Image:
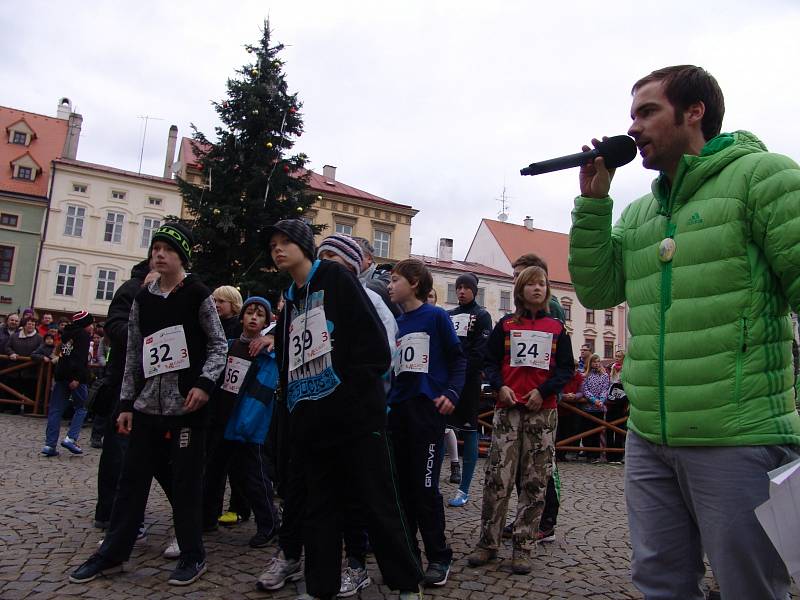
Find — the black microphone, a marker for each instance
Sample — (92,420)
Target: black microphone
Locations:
(617,151)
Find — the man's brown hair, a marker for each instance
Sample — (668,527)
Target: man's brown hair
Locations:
(530,260)
(415,271)
(528,275)
(685,85)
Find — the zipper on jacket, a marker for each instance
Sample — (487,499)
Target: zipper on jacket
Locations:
(666,300)
(740,351)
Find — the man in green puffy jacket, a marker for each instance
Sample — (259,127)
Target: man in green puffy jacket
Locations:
(709,263)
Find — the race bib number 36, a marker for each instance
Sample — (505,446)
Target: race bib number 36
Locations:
(165,351)
(531,349)
(235,370)
(308,337)
(461,324)
(413,353)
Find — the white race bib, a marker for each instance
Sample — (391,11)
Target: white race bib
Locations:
(531,349)
(413,353)
(308,337)
(461,324)
(235,370)
(165,351)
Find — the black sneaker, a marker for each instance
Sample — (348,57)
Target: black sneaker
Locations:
(436,573)
(455,472)
(94,567)
(508,531)
(96,442)
(261,539)
(187,572)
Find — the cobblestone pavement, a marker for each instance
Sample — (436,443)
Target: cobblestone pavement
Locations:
(46,532)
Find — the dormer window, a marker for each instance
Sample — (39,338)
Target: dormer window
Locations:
(25,168)
(20,133)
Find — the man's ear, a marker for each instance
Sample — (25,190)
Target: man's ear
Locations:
(694,113)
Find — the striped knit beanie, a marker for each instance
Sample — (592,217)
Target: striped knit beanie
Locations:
(346,247)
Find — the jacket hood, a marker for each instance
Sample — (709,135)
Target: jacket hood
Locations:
(140,270)
(70,331)
(694,170)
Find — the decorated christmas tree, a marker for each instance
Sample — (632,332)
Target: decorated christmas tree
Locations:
(250,178)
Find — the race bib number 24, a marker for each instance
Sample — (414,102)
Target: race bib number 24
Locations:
(165,351)
(531,349)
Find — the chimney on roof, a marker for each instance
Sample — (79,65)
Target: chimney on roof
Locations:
(445,249)
(329,172)
(172,140)
(64,109)
(74,125)
(528,222)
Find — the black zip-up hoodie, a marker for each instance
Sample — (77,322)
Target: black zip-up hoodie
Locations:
(359,358)
(74,362)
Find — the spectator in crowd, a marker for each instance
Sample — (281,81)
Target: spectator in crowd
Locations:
(595,393)
(45,324)
(377,281)
(433,297)
(568,421)
(45,350)
(616,408)
(8,329)
(23,343)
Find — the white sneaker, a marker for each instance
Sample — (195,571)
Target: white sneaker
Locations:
(173,550)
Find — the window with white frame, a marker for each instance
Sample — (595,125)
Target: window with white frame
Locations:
(114,221)
(381,242)
(117,195)
(154,201)
(24,173)
(505,301)
(79,188)
(149,226)
(20,138)
(481,297)
(6,263)
(65,280)
(106,280)
(451,294)
(344,228)
(608,349)
(9,220)
(74,224)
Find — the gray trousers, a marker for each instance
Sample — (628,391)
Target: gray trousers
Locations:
(683,501)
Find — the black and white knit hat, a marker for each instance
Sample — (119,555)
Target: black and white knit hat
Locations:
(296,230)
(346,247)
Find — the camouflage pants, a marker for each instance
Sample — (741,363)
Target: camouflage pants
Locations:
(527,439)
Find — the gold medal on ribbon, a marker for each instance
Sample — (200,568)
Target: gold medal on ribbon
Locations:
(666,250)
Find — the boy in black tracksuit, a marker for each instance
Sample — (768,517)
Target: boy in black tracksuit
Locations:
(176,350)
(332,355)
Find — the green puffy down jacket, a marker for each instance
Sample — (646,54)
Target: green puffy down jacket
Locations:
(709,361)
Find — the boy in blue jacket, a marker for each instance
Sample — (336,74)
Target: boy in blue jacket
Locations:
(429,366)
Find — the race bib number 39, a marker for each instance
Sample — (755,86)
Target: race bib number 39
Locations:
(413,353)
(308,337)
(235,370)
(165,351)
(461,324)
(531,349)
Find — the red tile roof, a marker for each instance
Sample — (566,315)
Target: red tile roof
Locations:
(316,181)
(551,246)
(115,171)
(46,146)
(462,266)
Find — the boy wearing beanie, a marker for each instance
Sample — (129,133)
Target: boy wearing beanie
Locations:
(176,351)
(333,356)
(71,378)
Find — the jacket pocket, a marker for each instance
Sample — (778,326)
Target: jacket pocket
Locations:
(741,350)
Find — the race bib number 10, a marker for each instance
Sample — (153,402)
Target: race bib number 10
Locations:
(165,351)
(413,353)
(308,337)
(531,349)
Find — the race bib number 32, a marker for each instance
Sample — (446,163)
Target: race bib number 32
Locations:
(165,351)
(531,349)
(308,337)
(413,353)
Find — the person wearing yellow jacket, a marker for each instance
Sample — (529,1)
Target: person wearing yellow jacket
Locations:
(709,264)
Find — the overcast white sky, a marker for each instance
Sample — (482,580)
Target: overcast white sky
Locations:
(436,104)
